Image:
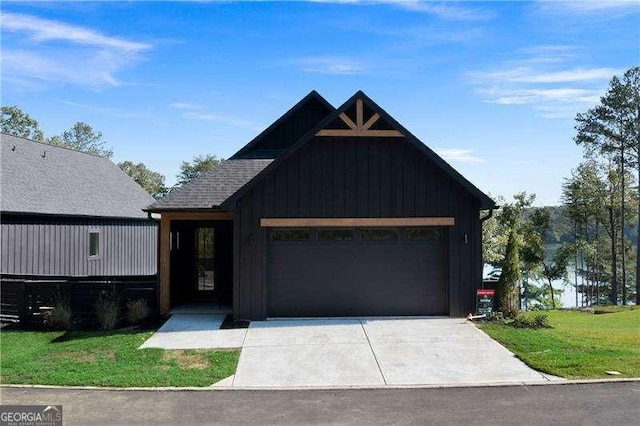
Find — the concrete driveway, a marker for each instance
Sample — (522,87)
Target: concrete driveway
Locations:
(358,352)
(374,352)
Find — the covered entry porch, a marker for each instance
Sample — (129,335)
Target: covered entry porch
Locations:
(196,260)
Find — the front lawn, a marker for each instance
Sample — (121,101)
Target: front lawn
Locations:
(98,358)
(579,345)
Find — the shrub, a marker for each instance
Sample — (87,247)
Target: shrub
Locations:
(137,310)
(536,321)
(59,318)
(108,310)
(541,321)
(496,316)
(521,322)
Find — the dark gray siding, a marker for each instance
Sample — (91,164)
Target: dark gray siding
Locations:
(56,246)
(357,177)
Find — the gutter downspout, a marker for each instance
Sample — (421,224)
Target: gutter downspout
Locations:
(487,217)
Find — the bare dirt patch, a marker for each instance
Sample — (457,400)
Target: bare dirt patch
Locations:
(84,356)
(187,359)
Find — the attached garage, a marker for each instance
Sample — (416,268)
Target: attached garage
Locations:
(357,272)
(342,212)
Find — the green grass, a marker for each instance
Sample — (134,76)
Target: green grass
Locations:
(86,358)
(579,345)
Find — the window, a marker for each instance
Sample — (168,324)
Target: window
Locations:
(290,235)
(379,234)
(94,244)
(423,234)
(335,234)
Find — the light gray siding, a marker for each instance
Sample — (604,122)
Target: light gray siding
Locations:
(55,246)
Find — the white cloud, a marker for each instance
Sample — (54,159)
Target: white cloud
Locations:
(442,9)
(529,75)
(591,6)
(43,50)
(534,96)
(45,30)
(330,65)
(196,112)
(458,155)
(553,88)
(183,105)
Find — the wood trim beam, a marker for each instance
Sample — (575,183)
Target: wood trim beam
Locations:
(348,121)
(360,133)
(355,222)
(370,122)
(359,128)
(197,215)
(165,266)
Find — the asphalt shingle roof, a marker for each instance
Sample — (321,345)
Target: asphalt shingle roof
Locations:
(45,179)
(212,188)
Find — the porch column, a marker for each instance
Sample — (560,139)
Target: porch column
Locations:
(165,265)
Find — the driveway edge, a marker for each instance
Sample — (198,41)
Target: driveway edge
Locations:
(287,388)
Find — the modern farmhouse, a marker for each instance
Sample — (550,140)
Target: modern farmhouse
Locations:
(328,212)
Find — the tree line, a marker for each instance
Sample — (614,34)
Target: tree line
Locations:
(596,228)
(82,137)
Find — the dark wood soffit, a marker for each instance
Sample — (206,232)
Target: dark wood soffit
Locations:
(359,128)
(355,222)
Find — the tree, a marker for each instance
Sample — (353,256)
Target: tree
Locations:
(555,268)
(507,287)
(613,128)
(494,241)
(585,195)
(592,197)
(509,225)
(199,165)
(82,137)
(152,182)
(18,123)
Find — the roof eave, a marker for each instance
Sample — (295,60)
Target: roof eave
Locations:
(79,216)
(215,208)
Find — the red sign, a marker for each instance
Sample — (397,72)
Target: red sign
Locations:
(485,292)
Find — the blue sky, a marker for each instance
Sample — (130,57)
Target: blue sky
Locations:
(492,86)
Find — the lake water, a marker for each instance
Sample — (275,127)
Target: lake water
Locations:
(568,297)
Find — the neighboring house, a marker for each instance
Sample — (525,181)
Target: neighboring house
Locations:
(66,214)
(328,212)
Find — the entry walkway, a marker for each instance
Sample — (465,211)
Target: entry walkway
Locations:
(351,352)
(195,331)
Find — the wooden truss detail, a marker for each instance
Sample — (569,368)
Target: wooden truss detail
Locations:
(359,128)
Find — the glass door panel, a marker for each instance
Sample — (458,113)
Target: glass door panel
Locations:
(204,259)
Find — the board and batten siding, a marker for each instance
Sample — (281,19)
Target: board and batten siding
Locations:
(57,246)
(346,177)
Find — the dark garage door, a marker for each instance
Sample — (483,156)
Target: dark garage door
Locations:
(357,272)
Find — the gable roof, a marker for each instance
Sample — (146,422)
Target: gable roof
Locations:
(38,178)
(308,112)
(385,123)
(211,188)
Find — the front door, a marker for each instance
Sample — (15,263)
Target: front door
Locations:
(201,260)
